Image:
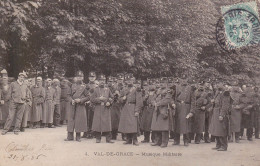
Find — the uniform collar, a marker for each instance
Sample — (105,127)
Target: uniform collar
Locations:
(20,83)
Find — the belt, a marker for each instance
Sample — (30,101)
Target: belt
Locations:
(181,101)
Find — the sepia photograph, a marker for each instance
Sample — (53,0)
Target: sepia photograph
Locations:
(129,83)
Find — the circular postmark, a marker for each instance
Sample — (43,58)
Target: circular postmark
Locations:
(237,28)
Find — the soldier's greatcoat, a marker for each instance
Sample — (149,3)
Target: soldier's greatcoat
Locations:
(162,115)
(185,99)
(48,111)
(222,105)
(77,115)
(38,95)
(236,110)
(128,121)
(199,113)
(65,101)
(147,114)
(102,113)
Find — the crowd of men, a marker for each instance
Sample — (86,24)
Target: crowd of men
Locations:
(160,109)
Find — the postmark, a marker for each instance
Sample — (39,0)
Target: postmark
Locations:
(238,27)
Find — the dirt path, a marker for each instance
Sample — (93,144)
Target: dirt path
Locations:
(45,147)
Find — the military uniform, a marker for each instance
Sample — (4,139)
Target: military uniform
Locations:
(115,109)
(102,113)
(6,96)
(162,118)
(65,102)
(248,114)
(236,112)
(184,107)
(132,104)
(147,114)
(48,111)
(77,115)
(220,127)
(57,98)
(38,96)
(199,113)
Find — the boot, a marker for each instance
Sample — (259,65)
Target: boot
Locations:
(78,137)
(108,138)
(146,137)
(135,141)
(165,139)
(70,137)
(128,139)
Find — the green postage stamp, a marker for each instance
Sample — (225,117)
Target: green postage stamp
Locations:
(239,26)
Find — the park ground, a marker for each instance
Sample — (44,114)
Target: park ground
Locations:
(46,147)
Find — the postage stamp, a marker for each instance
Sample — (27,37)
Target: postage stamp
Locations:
(239,26)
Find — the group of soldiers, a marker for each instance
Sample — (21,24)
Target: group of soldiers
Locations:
(160,109)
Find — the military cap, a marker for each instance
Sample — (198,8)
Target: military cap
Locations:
(39,78)
(101,77)
(56,80)
(80,74)
(129,77)
(22,73)
(48,80)
(92,74)
(3,71)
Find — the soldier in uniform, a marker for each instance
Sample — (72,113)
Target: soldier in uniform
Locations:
(147,114)
(77,115)
(248,113)
(256,97)
(219,126)
(49,105)
(38,96)
(65,102)
(199,113)
(57,98)
(5,89)
(162,116)
(18,93)
(102,98)
(208,111)
(89,107)
(1,104)
(185,99)
(236,112)
(132,104)
(116,106)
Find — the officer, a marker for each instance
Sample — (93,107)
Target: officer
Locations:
(78,116)
(89,107)
(102,99)
(132,104)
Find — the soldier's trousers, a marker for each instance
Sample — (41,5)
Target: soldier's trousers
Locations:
(222,142)
(177,137)
(249,132)
(206,133)
(57,114)
(198,137)
(114,134)
(18,109)
(71,136)
(161,137)
(131,137)
(256,132)
(106,134)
